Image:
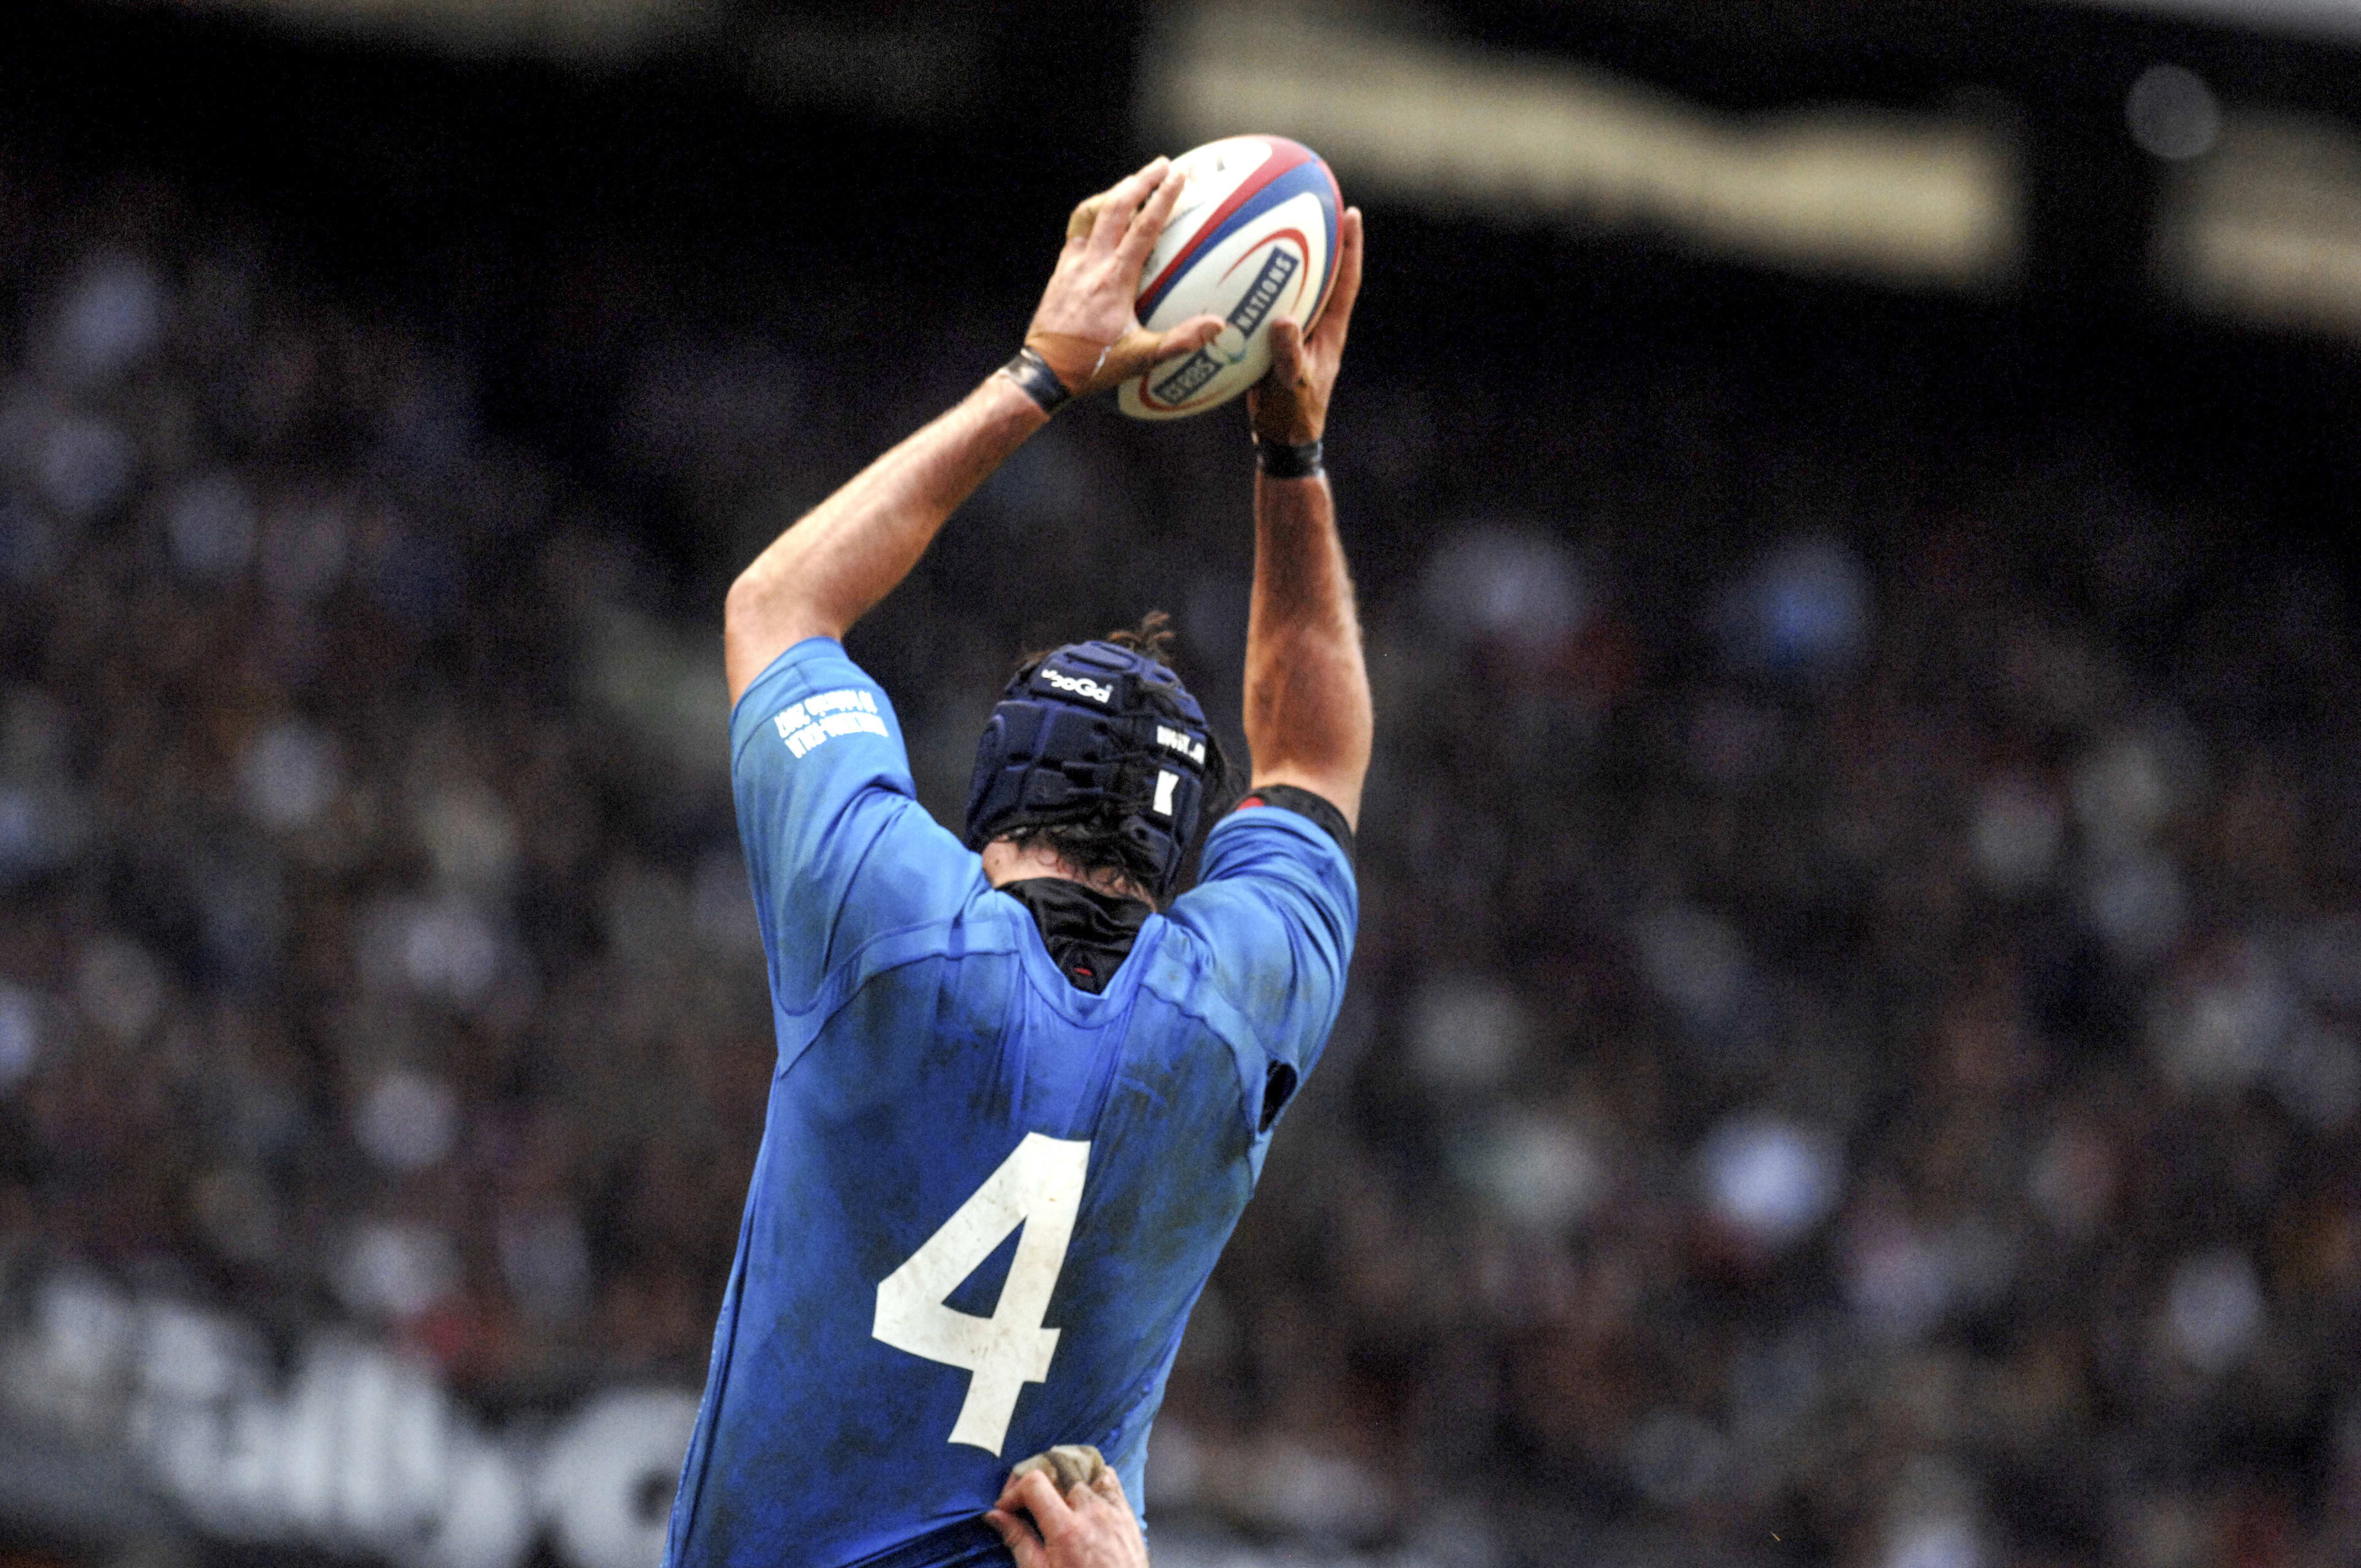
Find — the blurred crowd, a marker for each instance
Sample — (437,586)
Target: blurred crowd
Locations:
(1851,1051)
(364,954)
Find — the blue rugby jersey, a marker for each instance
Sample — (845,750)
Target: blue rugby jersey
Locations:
(985,1201)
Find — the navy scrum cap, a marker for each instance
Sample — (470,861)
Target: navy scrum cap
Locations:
(1096,732)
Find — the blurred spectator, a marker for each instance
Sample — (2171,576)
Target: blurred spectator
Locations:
(1852,1056)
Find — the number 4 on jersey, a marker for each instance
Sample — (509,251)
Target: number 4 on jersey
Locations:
(1038,1187)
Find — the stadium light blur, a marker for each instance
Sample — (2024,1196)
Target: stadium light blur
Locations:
(1907,198)
(2172,114)
(2267,226)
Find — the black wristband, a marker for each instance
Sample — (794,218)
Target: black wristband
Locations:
(1283,461)
(1032,373)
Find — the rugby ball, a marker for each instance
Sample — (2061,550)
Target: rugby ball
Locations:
(1252,238)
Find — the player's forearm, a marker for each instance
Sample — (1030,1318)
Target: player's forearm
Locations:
(1308,717)
(846,553)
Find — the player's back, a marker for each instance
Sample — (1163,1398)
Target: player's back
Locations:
(987,1199)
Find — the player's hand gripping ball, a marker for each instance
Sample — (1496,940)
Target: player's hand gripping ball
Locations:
(1170,279)
(1253,239)
(1085,328)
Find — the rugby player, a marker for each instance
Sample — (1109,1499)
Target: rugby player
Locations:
(1023,1090)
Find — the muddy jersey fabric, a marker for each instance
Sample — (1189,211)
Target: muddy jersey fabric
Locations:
(987,1199)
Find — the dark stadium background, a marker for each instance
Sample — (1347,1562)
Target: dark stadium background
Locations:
(1852,1052)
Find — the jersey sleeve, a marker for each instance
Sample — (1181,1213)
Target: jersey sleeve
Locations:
(1276,906)
(838,851)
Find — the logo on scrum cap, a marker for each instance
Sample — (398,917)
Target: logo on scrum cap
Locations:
(1078,686)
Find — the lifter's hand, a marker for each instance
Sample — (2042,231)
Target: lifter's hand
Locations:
(1290,404)
(1086,327)
(1090,1527)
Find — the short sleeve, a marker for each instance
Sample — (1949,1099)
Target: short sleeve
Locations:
(838,851)
(1276,907)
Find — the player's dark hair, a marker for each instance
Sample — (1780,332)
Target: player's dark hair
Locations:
(1093,849)
(1094,842)
(1152,637)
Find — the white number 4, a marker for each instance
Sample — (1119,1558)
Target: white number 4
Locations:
(1038,1187)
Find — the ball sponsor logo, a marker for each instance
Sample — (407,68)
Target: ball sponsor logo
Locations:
(1201,366)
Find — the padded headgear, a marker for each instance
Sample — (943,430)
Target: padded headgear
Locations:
(1096,733)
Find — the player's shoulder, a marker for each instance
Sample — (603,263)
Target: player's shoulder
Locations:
(1264,874)
(1265,850)
(1269,928)
(809,695)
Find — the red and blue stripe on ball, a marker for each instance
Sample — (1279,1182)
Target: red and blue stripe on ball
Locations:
(1291,169)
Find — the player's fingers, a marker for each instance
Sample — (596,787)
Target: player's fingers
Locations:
(1286,351)
(1153,215)
(1012,1494)
(1019,1538)
(1109,1487)
(1188,337)
(1037,1495)
(1338,317)
(1123,202)
(1085,214)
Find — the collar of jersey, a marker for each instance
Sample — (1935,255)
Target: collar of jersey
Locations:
(1088,933)
(1041,969)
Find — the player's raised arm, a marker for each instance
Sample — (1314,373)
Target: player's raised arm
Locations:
(849,551)
(1307,692)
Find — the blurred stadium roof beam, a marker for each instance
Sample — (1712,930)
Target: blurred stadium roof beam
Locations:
(1909,199)
(2322,19)
(2267,225)
(615,28)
